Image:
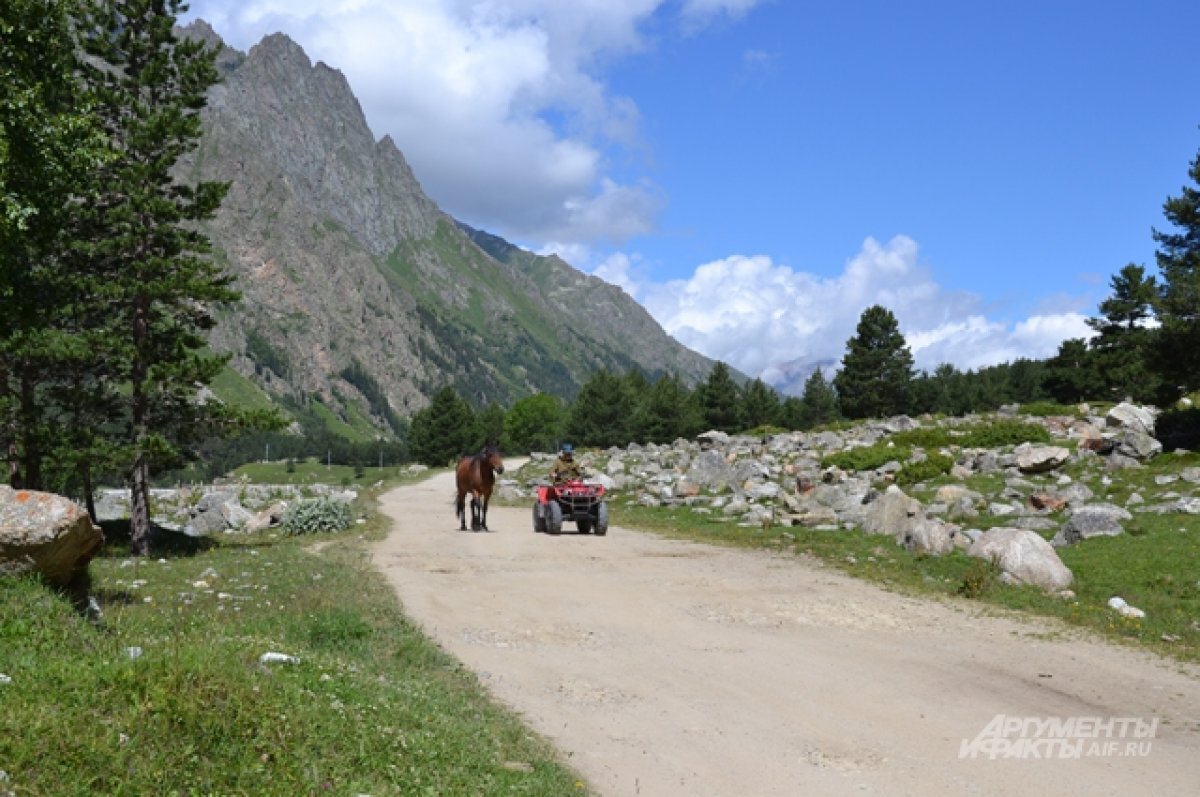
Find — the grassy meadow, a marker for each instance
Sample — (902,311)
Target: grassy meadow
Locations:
(168,693)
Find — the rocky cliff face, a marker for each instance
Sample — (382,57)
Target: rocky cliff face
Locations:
(344,262)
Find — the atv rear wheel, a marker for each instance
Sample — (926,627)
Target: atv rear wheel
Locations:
(539,517)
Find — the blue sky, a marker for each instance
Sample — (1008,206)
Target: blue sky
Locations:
(757,173)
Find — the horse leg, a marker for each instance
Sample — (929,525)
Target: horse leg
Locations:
(460,509)
(483,513)
(474,513)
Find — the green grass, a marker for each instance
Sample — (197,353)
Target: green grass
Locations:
(1153,567)
(357,430)
(311,472)
(372,707)
(236,390)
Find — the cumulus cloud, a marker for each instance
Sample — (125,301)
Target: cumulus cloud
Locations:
(768,320)
(500,106)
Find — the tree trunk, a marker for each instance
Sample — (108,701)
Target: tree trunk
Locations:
(89,499)
(139,474)
(31,454)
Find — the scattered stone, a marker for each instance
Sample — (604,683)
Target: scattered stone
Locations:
(271,657)
(1131,417)
(1124,609)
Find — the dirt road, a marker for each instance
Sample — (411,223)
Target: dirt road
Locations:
(662,667)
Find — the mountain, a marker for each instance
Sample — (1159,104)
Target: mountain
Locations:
(360,296)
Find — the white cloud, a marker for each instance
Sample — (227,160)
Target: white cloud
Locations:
(499,106)
(769,320)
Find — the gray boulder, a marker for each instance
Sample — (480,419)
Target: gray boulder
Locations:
(710,471)
(892,513)
(1131,417)
(929,536)
(1138,445)
(1040,458)
(45,534)
(1024,556)
(1093,520)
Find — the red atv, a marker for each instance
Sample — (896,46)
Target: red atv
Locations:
(573,500)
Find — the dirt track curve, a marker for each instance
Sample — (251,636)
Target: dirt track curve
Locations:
(662,667)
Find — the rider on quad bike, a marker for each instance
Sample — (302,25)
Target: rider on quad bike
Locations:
(565,468)
(569,498)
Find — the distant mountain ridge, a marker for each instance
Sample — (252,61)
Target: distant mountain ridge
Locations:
(357,286)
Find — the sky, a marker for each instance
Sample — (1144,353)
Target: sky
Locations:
(756,173)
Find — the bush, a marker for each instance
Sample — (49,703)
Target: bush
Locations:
(932,466)
(317,515)
(924,437)
(981,577)
(867,457)
(1005,433)
(1043,409)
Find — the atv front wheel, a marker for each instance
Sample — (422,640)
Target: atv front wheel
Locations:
(554,518)
(601,519)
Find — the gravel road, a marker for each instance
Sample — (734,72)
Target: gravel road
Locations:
(662,667)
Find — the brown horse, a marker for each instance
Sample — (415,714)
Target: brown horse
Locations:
(477,475)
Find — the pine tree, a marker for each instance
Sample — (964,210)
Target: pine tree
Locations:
(758,406)
(668,412)
(877,370)
(444,430)
(148,257)
(718,400)
(1123,346)
(819,402)
(602,413)
(1071,375)
(1177,359)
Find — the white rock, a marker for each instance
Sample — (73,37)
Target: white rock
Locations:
(271,657)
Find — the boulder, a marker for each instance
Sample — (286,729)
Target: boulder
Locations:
(710,471)
(45,534)
(892,513)
(1137,445)
(1131,417)
(1093,520)
(929,536)
(1039,458)
(1024,556)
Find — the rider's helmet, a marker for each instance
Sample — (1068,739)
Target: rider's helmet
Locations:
(567,450)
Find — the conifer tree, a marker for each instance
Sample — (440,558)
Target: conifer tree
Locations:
(877,370)
(602,413)
(718,400)
(444,430)
(1123,346)
(1177,357)
(819,404)
(758,406)
(148,258)
(668,412)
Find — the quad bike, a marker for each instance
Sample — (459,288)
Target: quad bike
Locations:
(573,500)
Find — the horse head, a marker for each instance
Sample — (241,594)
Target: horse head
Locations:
(492,455)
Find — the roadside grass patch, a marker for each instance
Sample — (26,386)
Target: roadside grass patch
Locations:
(169,694)
(1152,567)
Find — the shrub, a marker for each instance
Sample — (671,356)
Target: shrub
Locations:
(924,437)
(317,515)
(981,577)
(1044,409)
(1005,433)
(932,466)
(867,457)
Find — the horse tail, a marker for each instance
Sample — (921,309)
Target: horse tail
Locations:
(460,504)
